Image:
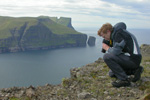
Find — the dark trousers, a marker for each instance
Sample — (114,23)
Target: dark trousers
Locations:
(119,64)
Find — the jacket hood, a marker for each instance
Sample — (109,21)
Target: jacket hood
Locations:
(119,25)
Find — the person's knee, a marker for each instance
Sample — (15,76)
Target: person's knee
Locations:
(108,57)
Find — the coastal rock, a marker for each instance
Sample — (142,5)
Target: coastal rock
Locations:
(91,41)
(73,72)
(145,49)
(30,92)
(108,98)
(20,94)
(84,95)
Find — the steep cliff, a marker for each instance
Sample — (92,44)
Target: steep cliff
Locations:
(34,33)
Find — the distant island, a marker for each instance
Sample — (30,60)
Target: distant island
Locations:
(38,33)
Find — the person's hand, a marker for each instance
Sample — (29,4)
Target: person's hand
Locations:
(105,46)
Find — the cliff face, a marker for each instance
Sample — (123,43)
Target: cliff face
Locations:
(20,34)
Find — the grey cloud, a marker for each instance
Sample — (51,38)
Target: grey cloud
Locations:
(139,6)
(71,1)
(111,9)
(142,9)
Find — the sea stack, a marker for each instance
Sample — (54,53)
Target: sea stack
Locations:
(91,41)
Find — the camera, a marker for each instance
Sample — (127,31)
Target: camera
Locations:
(106,42)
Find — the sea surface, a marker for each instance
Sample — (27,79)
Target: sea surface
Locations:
(50,66)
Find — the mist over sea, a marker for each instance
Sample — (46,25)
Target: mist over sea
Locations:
(50,66)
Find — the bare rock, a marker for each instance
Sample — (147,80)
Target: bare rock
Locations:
(84,95)
(20,94)
(30,92)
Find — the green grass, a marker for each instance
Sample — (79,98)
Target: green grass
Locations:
(60,29)
(10,23)
(22,98)
(62,20)
(55,19)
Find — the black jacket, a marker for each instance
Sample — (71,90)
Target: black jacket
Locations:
(124,43)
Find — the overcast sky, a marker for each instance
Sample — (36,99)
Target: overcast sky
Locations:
(84,13)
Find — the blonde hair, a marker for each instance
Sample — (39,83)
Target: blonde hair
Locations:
(104,28)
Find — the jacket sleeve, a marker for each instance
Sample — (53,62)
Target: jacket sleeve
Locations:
(117,47)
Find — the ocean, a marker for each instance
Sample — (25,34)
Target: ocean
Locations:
(36,68)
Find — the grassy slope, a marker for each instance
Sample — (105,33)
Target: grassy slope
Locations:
(55,19)
(62,20)
(60,29)
(9,23)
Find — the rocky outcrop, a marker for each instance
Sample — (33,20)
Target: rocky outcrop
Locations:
(89,82)
(91,41)
(39,33)
(145,49)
